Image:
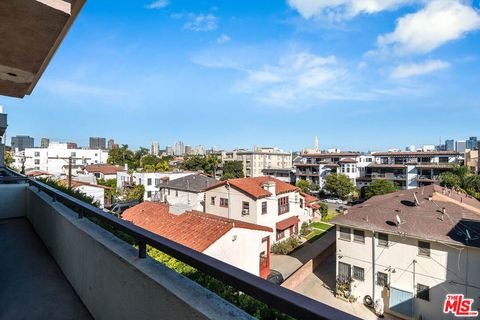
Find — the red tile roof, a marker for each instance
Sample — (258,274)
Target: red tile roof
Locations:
(348,160)
(103,168)
(415,153)
(254,186)
(37,173)
(308,198)
(76,184)
(194,229)
(284,224)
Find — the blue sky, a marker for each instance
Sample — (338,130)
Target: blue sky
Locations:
(362,75)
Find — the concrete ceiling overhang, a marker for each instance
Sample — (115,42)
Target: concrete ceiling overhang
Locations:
(30,33)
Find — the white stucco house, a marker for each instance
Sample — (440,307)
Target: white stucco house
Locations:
(410,248)
(96,191)
(243,245)
(103,171)
(262,200)
(186,192)
(150,180)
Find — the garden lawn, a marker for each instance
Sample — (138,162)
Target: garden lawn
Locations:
(322,226)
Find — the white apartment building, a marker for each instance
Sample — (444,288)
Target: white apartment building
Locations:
(260,158)
(50,159)
(150,180)
(410,249)
(243,245)
(315,167)
(263,200)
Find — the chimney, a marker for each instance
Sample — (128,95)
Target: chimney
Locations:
(270,186)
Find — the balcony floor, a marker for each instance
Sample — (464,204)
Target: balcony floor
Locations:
(32,285)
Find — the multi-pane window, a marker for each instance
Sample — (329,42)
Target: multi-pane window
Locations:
(382,279)
(358,273)
(264,207)
(283,205)
(149,181)
(423,292)
(280,234)
(301,203)
(212,201)
(383,239)
(344,233)
(37,154)
(176,193)
(37,161)
(359,236)
(424,248)
(245,208)
(224,202)
(149,194)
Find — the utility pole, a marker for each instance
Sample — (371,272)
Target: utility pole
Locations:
(70,162)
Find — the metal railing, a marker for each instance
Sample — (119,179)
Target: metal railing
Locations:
(275,296)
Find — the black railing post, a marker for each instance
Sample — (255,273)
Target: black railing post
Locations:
(142,250)
(81,214)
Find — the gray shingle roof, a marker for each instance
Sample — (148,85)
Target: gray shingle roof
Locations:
(192,183)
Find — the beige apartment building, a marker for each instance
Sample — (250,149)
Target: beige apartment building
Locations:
(258,159)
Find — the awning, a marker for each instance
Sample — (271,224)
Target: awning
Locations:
(284,224)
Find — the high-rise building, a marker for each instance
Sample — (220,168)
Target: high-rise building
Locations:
(188,150)
(471,143)
(3,127)
(169,150)
(44,142)
(200,150)
(97,143)
(460,146)
(22,142)
(449,145)
(155,148)
(179,148)
(112,144)
(72,145)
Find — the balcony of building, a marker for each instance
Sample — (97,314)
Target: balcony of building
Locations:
(58,262)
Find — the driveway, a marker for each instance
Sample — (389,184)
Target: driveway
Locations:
(320,286)
(288,264)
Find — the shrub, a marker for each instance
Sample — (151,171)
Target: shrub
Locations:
(323,209)
(305,229)
(285,246)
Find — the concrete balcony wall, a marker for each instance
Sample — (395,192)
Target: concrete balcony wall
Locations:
(13,201)
(106,272)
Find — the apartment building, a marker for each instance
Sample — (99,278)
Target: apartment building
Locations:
(262,200)
(259,158)
(20,143)
(186,193)
(150,180)
(54,159)
(471,161)
(409,169)
(315,167)
(238,243)
(410,249)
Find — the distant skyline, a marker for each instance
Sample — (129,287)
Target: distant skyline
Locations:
(361,75)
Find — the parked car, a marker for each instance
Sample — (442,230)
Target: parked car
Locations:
(334,200)
(119,208)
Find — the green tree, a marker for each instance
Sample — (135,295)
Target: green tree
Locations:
(304,185)
(232,169)
(162,166)
(135,193)
(450,180)
(379,187)
(339,184)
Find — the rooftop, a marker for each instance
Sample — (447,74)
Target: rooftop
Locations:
(194,229)
(193,183)
(415,154)
(103,168)
(420,220)
(254,187)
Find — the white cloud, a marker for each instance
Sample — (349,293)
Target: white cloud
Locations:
(159,4)
(201,22)
(416,69)
(300,79)
(344,9)
(439,22)
(223,39)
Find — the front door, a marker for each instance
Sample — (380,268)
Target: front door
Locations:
(344,272)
